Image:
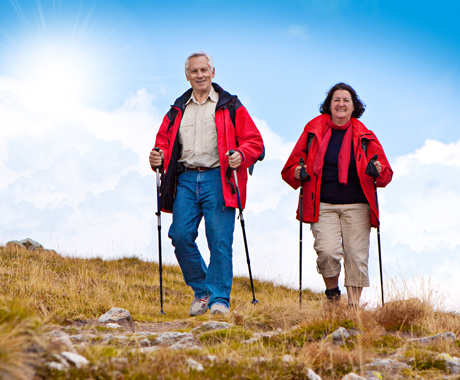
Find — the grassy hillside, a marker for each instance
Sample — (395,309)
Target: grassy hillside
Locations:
(42,291)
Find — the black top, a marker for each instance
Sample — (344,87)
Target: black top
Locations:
(331,190)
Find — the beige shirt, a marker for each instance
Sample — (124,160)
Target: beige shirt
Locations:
(198,133)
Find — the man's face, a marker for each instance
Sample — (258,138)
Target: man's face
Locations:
(199,74)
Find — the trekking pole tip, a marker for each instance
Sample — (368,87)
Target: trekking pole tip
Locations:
(255,301)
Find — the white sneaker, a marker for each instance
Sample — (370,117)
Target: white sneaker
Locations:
(199,306)
(219,308)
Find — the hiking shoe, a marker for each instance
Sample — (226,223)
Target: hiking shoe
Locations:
(333,295)
(199,306)
(219,308)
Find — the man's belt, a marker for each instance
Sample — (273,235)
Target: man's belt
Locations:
(201,169)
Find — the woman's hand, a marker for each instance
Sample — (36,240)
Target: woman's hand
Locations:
(378,166)
(297,172)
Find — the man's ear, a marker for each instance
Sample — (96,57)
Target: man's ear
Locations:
(213,72)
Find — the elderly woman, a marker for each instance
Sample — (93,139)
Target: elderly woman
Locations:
(338,196)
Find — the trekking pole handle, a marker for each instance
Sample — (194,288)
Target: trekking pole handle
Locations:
(240,207)
(230,152)
(371,169)
(156,149)
(304,176)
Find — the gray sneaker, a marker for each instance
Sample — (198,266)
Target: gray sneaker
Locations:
(199,306)
(219,308)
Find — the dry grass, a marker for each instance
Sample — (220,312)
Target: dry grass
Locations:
(18,333)
(42,290)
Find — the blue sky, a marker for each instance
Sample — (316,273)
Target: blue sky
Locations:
(84,85)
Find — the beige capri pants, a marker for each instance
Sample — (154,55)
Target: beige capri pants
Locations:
(343,231)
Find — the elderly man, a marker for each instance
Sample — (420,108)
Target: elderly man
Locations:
(194,141)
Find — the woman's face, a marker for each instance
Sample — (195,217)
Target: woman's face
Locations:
(341,107)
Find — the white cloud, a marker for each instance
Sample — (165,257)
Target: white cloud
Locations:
(78,179)
(421,202)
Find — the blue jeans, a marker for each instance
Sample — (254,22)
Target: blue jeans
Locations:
(200,194)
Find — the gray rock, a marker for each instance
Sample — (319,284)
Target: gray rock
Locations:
(257,336)
(373,375)
(288,359)
(61,360)
(145,342)
(119,316)
(260,359)
(15,244)
(79,338)
(250,340)
(194,365)
(56,333)
(144,334)
(212,325)
(339,336)
(452,363)
(61,343)
(106,338)
(311,375)
(188,342)
(353,376)
(76,359)
(169,338)
(180,346)
(146,350)
(113,326)
(31,244)
(57,366)
(387,364)
(429,339)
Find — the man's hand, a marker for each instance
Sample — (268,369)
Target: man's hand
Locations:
(234,160)
(156,158)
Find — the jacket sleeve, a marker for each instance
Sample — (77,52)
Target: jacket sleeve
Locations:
(248,138)
(300,150)
(162,141)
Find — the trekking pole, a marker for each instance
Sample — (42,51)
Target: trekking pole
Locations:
(372,171)
(303,178)
(254,300)
(158,214)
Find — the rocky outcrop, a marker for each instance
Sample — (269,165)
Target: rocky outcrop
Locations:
(118,316)
(29,244)
(64,350)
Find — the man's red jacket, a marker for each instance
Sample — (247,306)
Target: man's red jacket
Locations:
(312,188)
(242,136)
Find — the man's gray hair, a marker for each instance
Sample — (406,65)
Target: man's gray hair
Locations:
(198,54)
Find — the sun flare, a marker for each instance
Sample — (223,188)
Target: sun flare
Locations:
(57,76)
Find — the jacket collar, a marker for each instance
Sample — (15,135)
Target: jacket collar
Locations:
(224,97)
(318,125)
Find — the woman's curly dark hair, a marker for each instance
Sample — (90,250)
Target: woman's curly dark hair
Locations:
(359,106)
